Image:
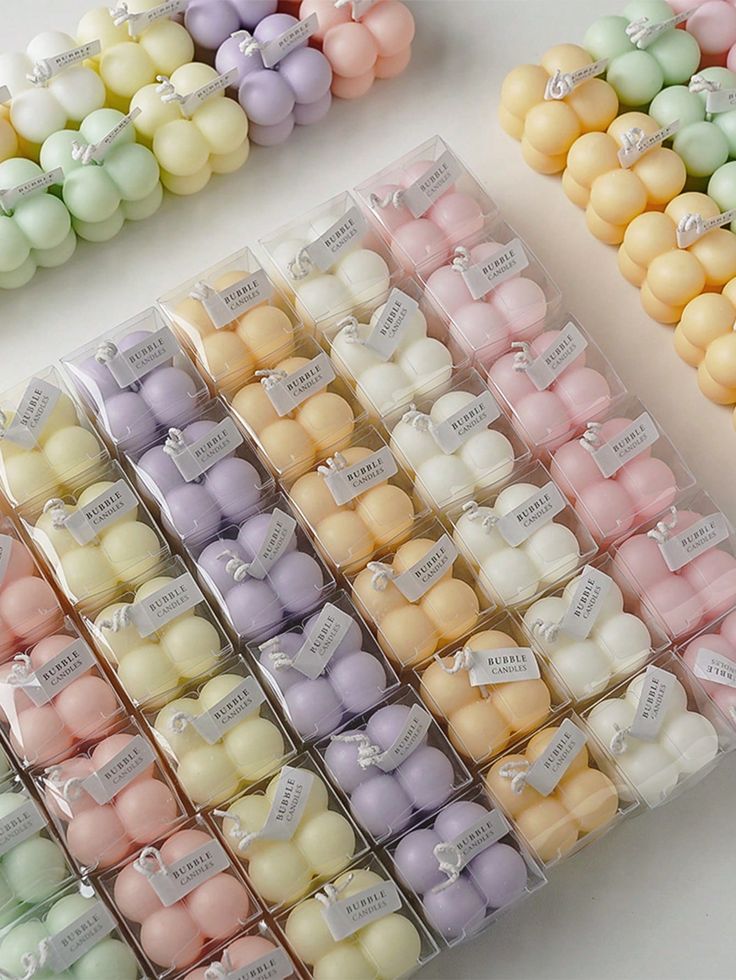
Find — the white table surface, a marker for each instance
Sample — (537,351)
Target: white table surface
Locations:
(655,899)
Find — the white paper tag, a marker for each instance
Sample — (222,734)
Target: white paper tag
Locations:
(694,226)
(348,483)
(421,195)
(651,710)
(86,523)
(642,32)
(129,366)
(196,458)
(32,413)
(190,103)
(137,23)
(680,549)
(586,604)
(715,668)
(636,144)
(361,7)
(544,369)
(327,633)
(391,325)
(288,393)
(504,264)
(345,916)
(224,306)
(177,880)
(165,604)
(105,783)
(455,431)
(627,445)
(59,672)
(722,100)
(502,666)
(546,771)
(46,68)
(409,738)
(561,85)
(229,711)
(275,965)
(288,805)
(99,150)
(11,196)
(273,51)
(536,511)
(343,235)
(278,535)
(478,837)
(19,824)
(79,937)
(6,550)
(419,579)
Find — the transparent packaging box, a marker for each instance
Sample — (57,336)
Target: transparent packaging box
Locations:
(98,543)
(621,471)
(491,689)
(298,412)
(662,729)
(465,868)
(711,656)
(135,381)
(285,854)
(456,443)
(47,445)
(262,573)
(492,292)
(256,948)
(326,669)
(356,501)
(520,539)
(574,794)
(232,320)
(393,765)
(221,735)
(419,597)
(160,637)
(424,204)
(590,631)
(325,933)
(330,264)
(202,477)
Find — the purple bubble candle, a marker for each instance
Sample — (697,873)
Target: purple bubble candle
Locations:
(210,22)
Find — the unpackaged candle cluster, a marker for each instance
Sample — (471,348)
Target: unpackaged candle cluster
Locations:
(343,594)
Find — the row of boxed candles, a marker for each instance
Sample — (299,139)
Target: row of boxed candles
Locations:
(664,206)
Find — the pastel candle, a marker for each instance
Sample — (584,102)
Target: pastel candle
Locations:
(29,609)
(211,22)
(245,951)
(713,27)
(711,656)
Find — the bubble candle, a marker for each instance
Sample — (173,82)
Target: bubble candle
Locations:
(711,656)
(258,949)
(211,22)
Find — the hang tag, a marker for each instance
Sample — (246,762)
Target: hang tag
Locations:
(33,413)
(286,394)
(288,805)
(545,772)
(409,738)
(137,23)
(642,32)
(225,305)
(194,459)
(339,238)
(637,437)
(22,822)
(633,151)
(587,603)
(68,945)
(396,315)
(504,264)
(99,150)
(275,965)
(715,668)
(327,633)
(278,535)
(654,700)
(190,103)
(165,604)
(478,837)
(177,880)
(129,366)
(560,84)
(274,51)
(58,673)
(477,415)
(229,711)
(536,511)
(545,368)
(722,100)
(361,7)
(108,507)
(419,579)
(348,483)
(680,549)
(47,68)
(105,783)
(345,916)
(502,666)
(694,226)
(6,550)
(421,195)
(10,197)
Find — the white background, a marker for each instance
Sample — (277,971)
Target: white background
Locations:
(656,899)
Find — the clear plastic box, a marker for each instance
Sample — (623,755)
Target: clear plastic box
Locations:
(686,737)
(221,735)
(343,670)
(711,656)
(47,445)
(258,334)
(424,204)
(520,539)
(257,947)
(621,471)
(136,381)
(521,692)
(456,443)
